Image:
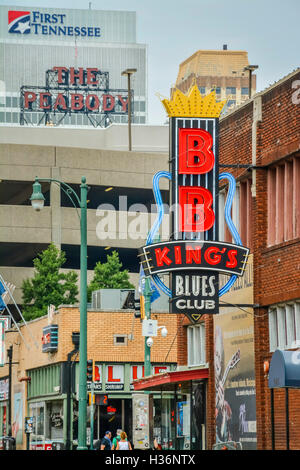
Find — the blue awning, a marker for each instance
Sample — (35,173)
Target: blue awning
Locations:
(285,369)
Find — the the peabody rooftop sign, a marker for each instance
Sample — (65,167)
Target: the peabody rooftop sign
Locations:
(73,91)
(194,256)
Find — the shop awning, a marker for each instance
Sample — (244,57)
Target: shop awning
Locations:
(167,379)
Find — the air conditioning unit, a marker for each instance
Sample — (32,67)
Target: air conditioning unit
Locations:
(109,299)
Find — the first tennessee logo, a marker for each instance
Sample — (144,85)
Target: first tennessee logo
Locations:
(19,22)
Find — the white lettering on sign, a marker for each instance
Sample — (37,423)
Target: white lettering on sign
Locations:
(184,304)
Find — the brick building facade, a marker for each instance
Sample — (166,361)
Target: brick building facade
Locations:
(265,133)
(46,390)
(263,137)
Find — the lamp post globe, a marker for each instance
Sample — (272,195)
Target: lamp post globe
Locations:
(37,198)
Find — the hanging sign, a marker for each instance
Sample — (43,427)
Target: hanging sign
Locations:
(50,338)
(194,256)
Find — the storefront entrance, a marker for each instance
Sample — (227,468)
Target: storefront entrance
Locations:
(179,416)
(117,414)
(179,408)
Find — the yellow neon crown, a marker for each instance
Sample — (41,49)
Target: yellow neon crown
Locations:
(193,104)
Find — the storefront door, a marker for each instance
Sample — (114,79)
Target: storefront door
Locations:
(116,415)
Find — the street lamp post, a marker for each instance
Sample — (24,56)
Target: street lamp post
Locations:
(37,201)
(147,356)
(129,72)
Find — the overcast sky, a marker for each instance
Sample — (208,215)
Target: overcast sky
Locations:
(175,29)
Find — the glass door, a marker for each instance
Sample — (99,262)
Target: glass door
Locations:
(183,416)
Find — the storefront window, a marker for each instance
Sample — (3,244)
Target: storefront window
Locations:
(54,421)
(168,420)
(183,416)
(198,416)
(37,411)
(179,416)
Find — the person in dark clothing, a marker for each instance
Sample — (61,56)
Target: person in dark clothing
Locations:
(106,441)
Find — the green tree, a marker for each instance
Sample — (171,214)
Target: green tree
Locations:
(109,275)
(49,285)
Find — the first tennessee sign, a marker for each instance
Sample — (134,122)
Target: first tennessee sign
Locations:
(47,24)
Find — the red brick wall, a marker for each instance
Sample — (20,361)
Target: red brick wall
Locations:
(276,269)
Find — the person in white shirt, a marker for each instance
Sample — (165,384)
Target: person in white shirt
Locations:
(123,444)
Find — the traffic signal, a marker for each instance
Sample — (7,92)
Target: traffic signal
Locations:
(139,307)
(89,370)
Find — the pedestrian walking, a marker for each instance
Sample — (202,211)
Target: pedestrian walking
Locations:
(106,441)
(116,439)
(123,443)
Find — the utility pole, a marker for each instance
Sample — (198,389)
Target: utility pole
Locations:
(129,72)
(10,356)
(147,296)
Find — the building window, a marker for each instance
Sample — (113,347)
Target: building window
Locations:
(230,90)
(218,90)
(245,90)
(284,326)
(241,213)
(283,202)
(196,344)
(120,340)
(202,90)
(231,103)
(245,213)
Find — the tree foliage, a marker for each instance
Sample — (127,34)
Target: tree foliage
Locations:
(109,275)
(49,285)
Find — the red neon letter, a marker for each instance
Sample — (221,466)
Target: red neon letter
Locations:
(161,256)
(177,252)
(195,154)
(193,254)
(29,97)
(196,212)
(215,259)
(232,261)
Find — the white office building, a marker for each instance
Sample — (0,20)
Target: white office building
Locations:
(36,42)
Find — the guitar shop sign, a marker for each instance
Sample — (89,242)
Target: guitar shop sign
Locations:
(194,256)
(74,91)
